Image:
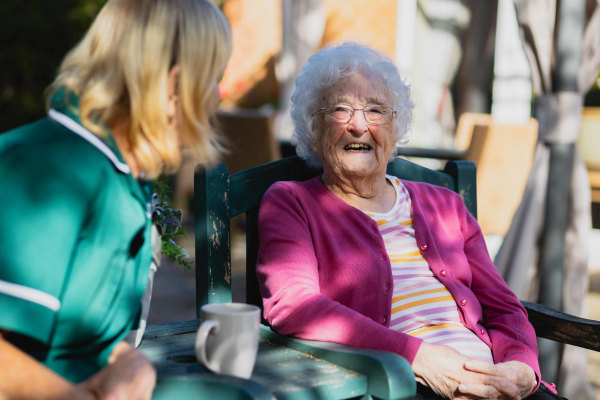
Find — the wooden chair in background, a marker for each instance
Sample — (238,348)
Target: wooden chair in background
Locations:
(503,154)
(588,145)
(249,139)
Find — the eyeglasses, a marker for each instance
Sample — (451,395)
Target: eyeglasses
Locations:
(375,114)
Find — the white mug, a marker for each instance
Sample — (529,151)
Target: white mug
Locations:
(227,339)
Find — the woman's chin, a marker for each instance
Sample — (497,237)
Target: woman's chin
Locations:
(360,170)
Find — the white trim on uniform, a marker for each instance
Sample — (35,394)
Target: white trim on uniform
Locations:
(72,125)
(29,294)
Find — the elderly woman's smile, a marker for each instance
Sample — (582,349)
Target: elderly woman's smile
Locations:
(360,147)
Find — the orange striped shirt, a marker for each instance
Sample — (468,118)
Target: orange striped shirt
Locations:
(421,304)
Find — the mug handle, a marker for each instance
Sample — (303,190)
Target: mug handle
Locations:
(205,328)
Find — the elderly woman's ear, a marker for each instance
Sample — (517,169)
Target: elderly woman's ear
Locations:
(316,127)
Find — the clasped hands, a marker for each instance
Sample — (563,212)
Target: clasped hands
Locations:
(455,376)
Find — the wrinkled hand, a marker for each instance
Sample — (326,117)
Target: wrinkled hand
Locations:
(128,376)
(520,376)
(444,370)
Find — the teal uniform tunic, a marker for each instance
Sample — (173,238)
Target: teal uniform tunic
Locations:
(75,245)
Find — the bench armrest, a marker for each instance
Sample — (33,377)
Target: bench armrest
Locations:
(430,152)
(562,327)
(389,375)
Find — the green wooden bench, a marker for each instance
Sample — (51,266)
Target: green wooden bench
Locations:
(220,196)
(286,367)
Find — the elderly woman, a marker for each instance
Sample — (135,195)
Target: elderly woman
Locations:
(358,257)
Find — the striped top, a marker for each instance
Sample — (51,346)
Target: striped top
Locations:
(421,304)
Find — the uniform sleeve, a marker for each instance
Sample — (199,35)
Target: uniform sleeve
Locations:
(288,274)
(512,335)
(41,212)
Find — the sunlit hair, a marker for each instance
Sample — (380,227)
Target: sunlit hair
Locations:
(120,69)
(323,70)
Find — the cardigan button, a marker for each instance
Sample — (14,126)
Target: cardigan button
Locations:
(424,247)
(463,302)
(482,331)
(443,272)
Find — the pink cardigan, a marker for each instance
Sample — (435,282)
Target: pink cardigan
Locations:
(325,275)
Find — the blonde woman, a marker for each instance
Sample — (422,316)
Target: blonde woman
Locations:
(75,245)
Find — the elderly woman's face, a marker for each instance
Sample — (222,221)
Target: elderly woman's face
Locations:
(356,148)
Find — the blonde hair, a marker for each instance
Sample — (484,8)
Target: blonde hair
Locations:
(120,68)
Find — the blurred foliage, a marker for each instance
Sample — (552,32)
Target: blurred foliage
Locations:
(34,38)
(169,223)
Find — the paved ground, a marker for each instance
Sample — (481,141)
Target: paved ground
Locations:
(174,292)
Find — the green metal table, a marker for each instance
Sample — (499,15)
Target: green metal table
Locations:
(286,368)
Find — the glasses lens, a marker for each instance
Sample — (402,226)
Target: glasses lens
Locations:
(377,114)
(341,113)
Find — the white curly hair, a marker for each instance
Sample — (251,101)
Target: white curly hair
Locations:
(324,69)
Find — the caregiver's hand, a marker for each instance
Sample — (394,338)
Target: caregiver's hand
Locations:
(128,376)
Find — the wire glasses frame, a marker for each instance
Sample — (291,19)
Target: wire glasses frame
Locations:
(375,114)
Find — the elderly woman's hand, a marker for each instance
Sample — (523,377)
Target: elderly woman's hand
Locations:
(444,370)
(520,375)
